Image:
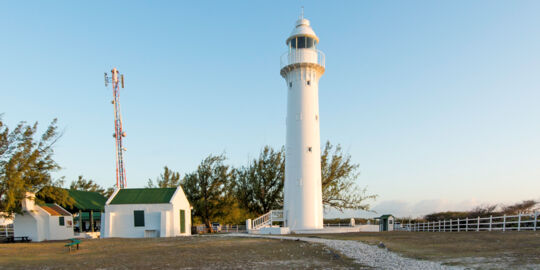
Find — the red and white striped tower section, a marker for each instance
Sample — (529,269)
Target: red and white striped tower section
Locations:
(118,80)
(302,66)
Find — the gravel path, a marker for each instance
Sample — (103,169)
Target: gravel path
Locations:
(372,256)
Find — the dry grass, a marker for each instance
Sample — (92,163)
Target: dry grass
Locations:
(173,253)
(473,249)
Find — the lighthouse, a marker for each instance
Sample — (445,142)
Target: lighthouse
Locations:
(302,66)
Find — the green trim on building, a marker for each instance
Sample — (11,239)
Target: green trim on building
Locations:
(87,200)
(138,218)
(143,195)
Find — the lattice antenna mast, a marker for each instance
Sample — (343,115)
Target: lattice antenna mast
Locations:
(117,80)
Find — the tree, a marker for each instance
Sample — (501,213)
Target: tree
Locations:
(339,174)
(207,187)
(446,215)
(485,210)
(55,193)
(26,163)
(108,192)
(524,207)
(90,185)
(167,179)
(259,186)
(86,185)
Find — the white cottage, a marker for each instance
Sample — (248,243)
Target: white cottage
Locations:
(43,222)
(147,212)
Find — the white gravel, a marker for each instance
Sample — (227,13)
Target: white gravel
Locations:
(372,256)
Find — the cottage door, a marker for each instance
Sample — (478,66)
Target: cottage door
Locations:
(182,221)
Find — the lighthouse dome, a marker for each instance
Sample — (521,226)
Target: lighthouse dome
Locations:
(302,29)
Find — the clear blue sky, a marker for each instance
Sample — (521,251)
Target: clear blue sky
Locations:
(438,101)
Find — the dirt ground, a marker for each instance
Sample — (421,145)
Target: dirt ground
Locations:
(210,252)
(486,250)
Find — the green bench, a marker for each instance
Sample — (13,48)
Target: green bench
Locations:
(73,242)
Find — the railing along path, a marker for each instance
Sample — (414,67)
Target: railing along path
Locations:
(520,222)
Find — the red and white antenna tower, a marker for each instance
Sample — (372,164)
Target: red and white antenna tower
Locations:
(118,80)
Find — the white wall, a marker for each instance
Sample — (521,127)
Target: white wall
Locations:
(57,232)
(26,225)
(120,219)
(180,202)
(391,223)
(368,228)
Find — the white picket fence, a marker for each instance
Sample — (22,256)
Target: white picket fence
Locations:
(521,222)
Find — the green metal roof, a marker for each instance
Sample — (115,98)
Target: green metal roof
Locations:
(86,216)
(385,216)
(143,195)
(87,200)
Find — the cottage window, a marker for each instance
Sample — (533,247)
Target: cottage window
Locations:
(138,218)
(61,221)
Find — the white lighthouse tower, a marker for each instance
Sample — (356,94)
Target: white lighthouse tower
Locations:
(302,66)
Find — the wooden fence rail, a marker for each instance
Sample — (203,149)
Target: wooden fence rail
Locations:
(6,231)
(521,222)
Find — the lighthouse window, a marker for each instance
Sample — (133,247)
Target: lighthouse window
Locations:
(290,84)
(308,82)
(310,42)
(302,42)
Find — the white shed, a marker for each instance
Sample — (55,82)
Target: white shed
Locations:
(386,223)
(43,222)
(147,212)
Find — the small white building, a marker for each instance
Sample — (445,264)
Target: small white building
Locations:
(147,212)
(386,223)
(43,222)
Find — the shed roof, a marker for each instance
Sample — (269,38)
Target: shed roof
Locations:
(143,195)
(384,216)
(87,200)
(54,209)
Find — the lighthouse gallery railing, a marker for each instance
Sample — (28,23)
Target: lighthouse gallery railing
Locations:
(302,56)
